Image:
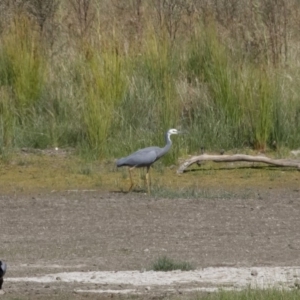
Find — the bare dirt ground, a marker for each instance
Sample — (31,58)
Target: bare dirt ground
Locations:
(95,231)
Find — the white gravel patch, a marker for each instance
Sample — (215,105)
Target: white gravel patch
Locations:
(208,279)
(99,291)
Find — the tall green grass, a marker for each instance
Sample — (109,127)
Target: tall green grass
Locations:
(217,110)
(151,104)
(22,79)
(25,67)
(106,101)
(242,103)
(7,121)
(103,86)
(261,99)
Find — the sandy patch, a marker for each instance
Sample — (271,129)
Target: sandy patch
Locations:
(207,279)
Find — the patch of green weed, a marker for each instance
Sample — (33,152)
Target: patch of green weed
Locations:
(166,264)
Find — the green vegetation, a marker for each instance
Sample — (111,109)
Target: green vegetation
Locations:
(107,78)
(46,170)
(253,294)
(166,264)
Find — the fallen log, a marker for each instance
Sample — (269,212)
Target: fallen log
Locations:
(238,157)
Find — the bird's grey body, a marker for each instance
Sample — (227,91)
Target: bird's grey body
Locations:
(141,158)
(147,156)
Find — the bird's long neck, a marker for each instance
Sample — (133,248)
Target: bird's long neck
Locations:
(168,142)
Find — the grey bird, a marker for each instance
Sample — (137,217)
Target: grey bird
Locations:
(146,157)
(2,272)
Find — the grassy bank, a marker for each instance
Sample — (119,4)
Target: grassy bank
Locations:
(107,79)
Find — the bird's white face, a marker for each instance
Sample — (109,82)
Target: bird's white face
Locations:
(173,131)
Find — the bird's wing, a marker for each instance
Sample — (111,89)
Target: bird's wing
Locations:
(142,157)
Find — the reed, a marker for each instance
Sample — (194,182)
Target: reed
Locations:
(103,86)
(107,92)
(22,78)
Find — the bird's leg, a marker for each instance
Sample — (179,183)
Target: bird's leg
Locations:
(131,181)
(147,179)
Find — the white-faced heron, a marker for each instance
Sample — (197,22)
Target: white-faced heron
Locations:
(146,157)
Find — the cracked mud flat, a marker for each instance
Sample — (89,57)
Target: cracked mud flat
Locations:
(86,243)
